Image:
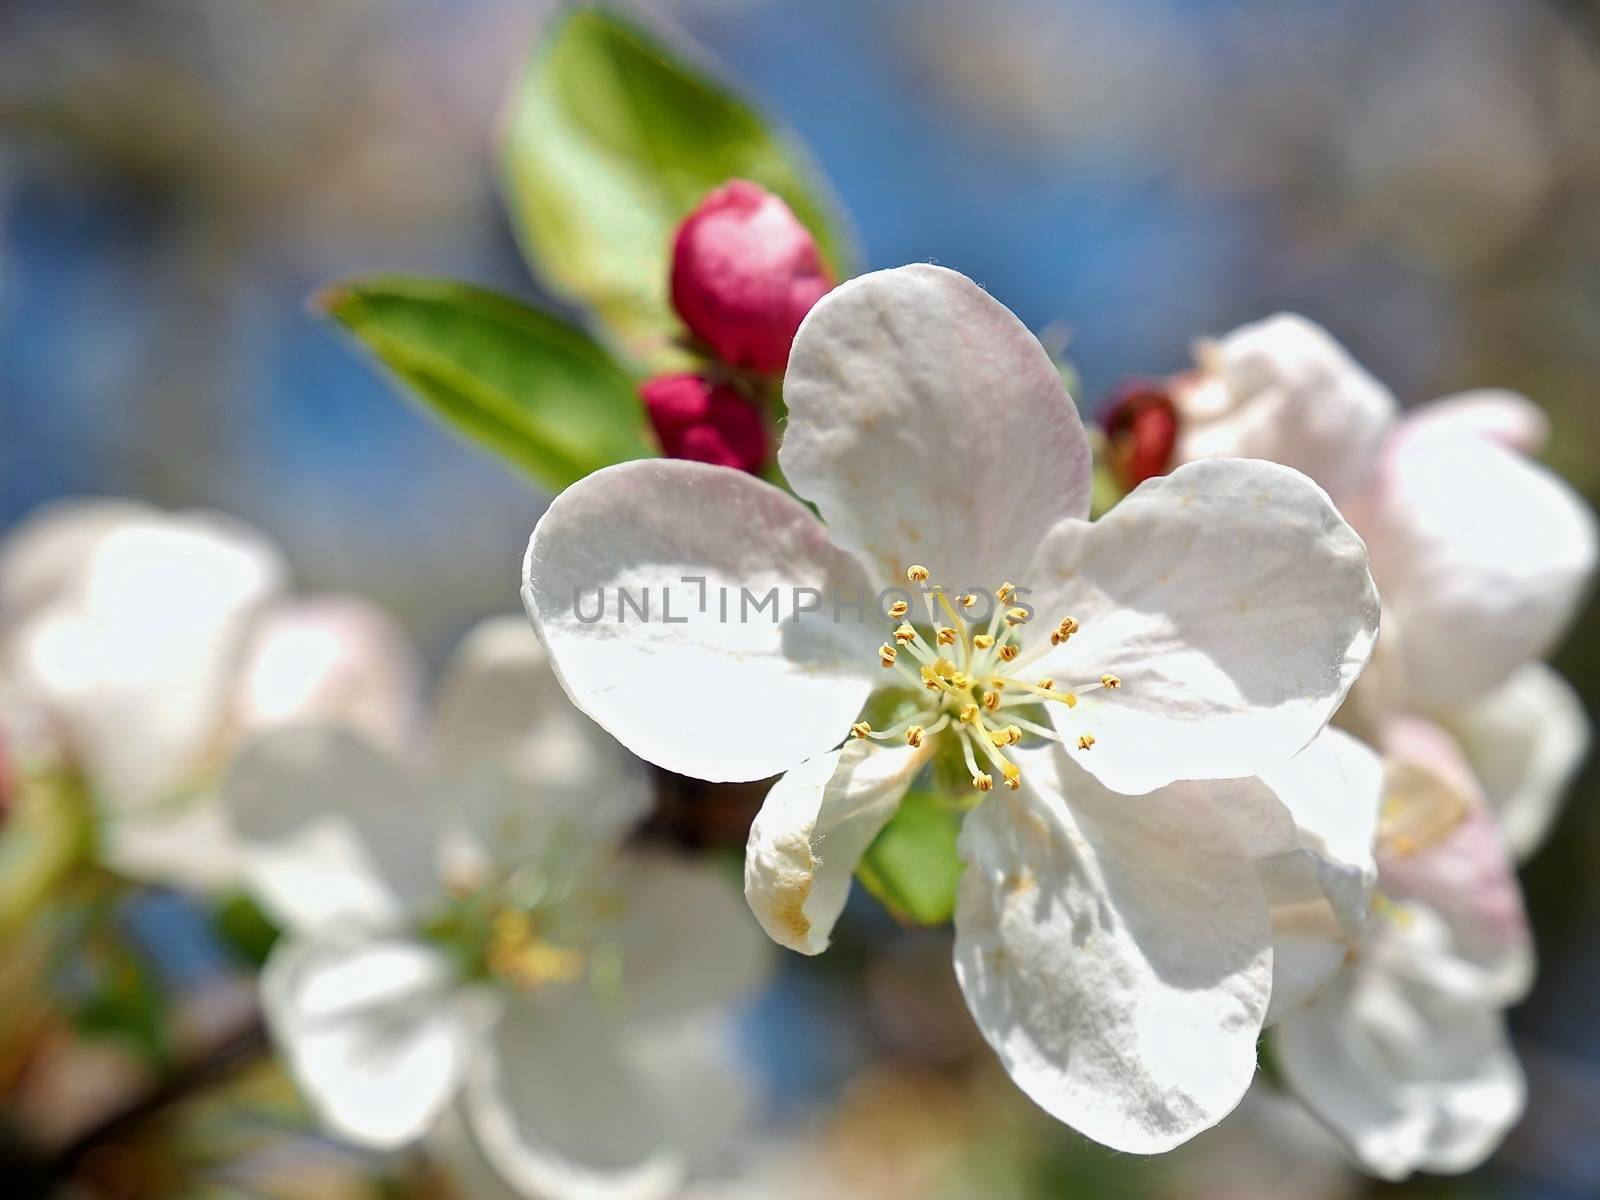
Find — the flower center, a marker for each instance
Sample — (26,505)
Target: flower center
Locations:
(520,954)
(971,689)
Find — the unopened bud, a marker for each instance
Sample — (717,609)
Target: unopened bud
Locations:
(745,272)
(1141,426)
(710,423)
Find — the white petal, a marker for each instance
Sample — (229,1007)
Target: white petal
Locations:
(1410,1075)
(1233,603)
(334,659)
(1285,391)
(371,1031)
(188,843)
(1309,823)
(1115,951)
(532,778)
(1482,557)
(331,830)
(681,936)
(46,557)
(929,426)
(133,659)
(1525,740)
(1505,417)
(727,691)
(558,1111)
(700,1080)
(813,828)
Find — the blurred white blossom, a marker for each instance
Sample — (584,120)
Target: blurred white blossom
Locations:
(470,958)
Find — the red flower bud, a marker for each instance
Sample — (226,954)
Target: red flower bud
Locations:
(744,274)
(706,422)
(1141,426)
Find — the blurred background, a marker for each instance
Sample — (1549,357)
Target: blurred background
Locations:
(176,176)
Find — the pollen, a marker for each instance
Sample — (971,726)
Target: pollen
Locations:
(916,573)
(899,609)
(861,729)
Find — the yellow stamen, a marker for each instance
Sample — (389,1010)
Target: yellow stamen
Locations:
(968,715)
(983,782)
(861,729)
(947,636)
(1110,681)
(1013,734)
(969,600)
(1086,741)
(905,634)
(914,736)
(1009,651)
(916,573)
(1070,699)
(1016,616)
(899,609)
(983,641)
(1007,590)
(887,654)
(991,700)
(1046,683)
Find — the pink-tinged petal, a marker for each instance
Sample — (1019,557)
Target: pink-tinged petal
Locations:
(716,681)
(1115,951)
(1500,416)
(929,426)
(1481,556)
(1284,390)
(1232,602)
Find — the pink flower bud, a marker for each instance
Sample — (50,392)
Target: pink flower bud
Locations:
(1141,427)
(705,422)
(744,274)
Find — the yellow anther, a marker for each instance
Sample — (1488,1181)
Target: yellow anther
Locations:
(961,681)
(930,680)
(861,729)
(1086,741)
(1070,699)
(983,641)
(887,654)
(1007,590)
(914,736)
(1045,684)
(999,737)
(916,573)
(991,700)
(1067,628)
(1013,734)
(984,783)
(1013,782)
(947,636)
(899,609)
(1016,616)
(968,715)
(1110,681)
(905,634)
(970,599)
(1009,651)
(944,667)
(1010,771)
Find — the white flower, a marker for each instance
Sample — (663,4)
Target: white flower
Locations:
(144,643)
(1480,555)
(1115,950)
(522,1000)
(1406,1055)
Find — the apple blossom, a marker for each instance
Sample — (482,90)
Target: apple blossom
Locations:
(745,272)
(468,955)
(1406,1055)
(1116,950)
(139,645)
(1481,556)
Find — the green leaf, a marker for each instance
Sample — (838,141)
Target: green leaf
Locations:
(912,866)
(535,390)
(612,138)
